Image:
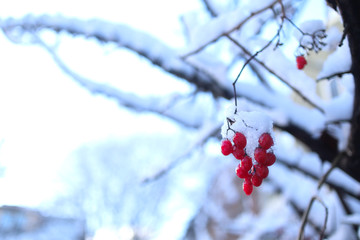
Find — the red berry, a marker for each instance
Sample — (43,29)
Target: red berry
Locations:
(300,66)
(226,147)
(270,159)
(261,170)
(301,62)
(246,163)
(266,141)
(256,180)
(241,172)
(239,140)
(247,186)
(238,153)
(260,155)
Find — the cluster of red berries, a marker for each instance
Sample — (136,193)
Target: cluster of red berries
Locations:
(253,172)
(301,61)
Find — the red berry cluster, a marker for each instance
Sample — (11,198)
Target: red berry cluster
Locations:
(253,172)
(238,149)
(301,61)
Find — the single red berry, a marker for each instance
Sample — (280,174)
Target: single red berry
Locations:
(238,153)
(260,155)
(261,170)
(300,66)
(270,159)
(246,163)
(241,172)
(247,186)
(226,147)
(239,140)
(266,141)
(301,62)
(256,180)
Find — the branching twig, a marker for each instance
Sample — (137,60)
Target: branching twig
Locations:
(210,133)
(306,215)
(230,31)
(250,59)
(314,176)
(315,197)
(276,75)
(334,163)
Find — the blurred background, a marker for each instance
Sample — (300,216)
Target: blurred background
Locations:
(106,133)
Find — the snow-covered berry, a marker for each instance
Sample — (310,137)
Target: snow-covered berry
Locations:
(239,140)
(266,141)
(260,155)
(247,186)
(226,147)
(248,136)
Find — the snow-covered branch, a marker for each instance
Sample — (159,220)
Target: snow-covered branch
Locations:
(220,27)
(139,42)
(207,131)
(157,105)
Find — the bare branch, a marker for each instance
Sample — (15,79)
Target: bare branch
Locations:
(339,157)
(338,74)
(306,215)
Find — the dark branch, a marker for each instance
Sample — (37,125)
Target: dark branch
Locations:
(338,74)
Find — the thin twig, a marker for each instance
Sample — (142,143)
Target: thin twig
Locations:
(314,176)
(340,156)
(276,75)
(212,132)
(338,74)
(334,163)
(229,31)
(251,58)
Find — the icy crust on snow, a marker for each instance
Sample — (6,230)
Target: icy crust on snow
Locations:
(251,124)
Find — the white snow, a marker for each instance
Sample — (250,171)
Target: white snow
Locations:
(337,62)
(250,123)
(309,27)
(224,23)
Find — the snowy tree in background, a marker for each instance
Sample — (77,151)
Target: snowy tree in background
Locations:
(253,67)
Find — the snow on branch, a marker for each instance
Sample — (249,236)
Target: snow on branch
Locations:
(141,43)
(207,131)
(225,24)
(157,105)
